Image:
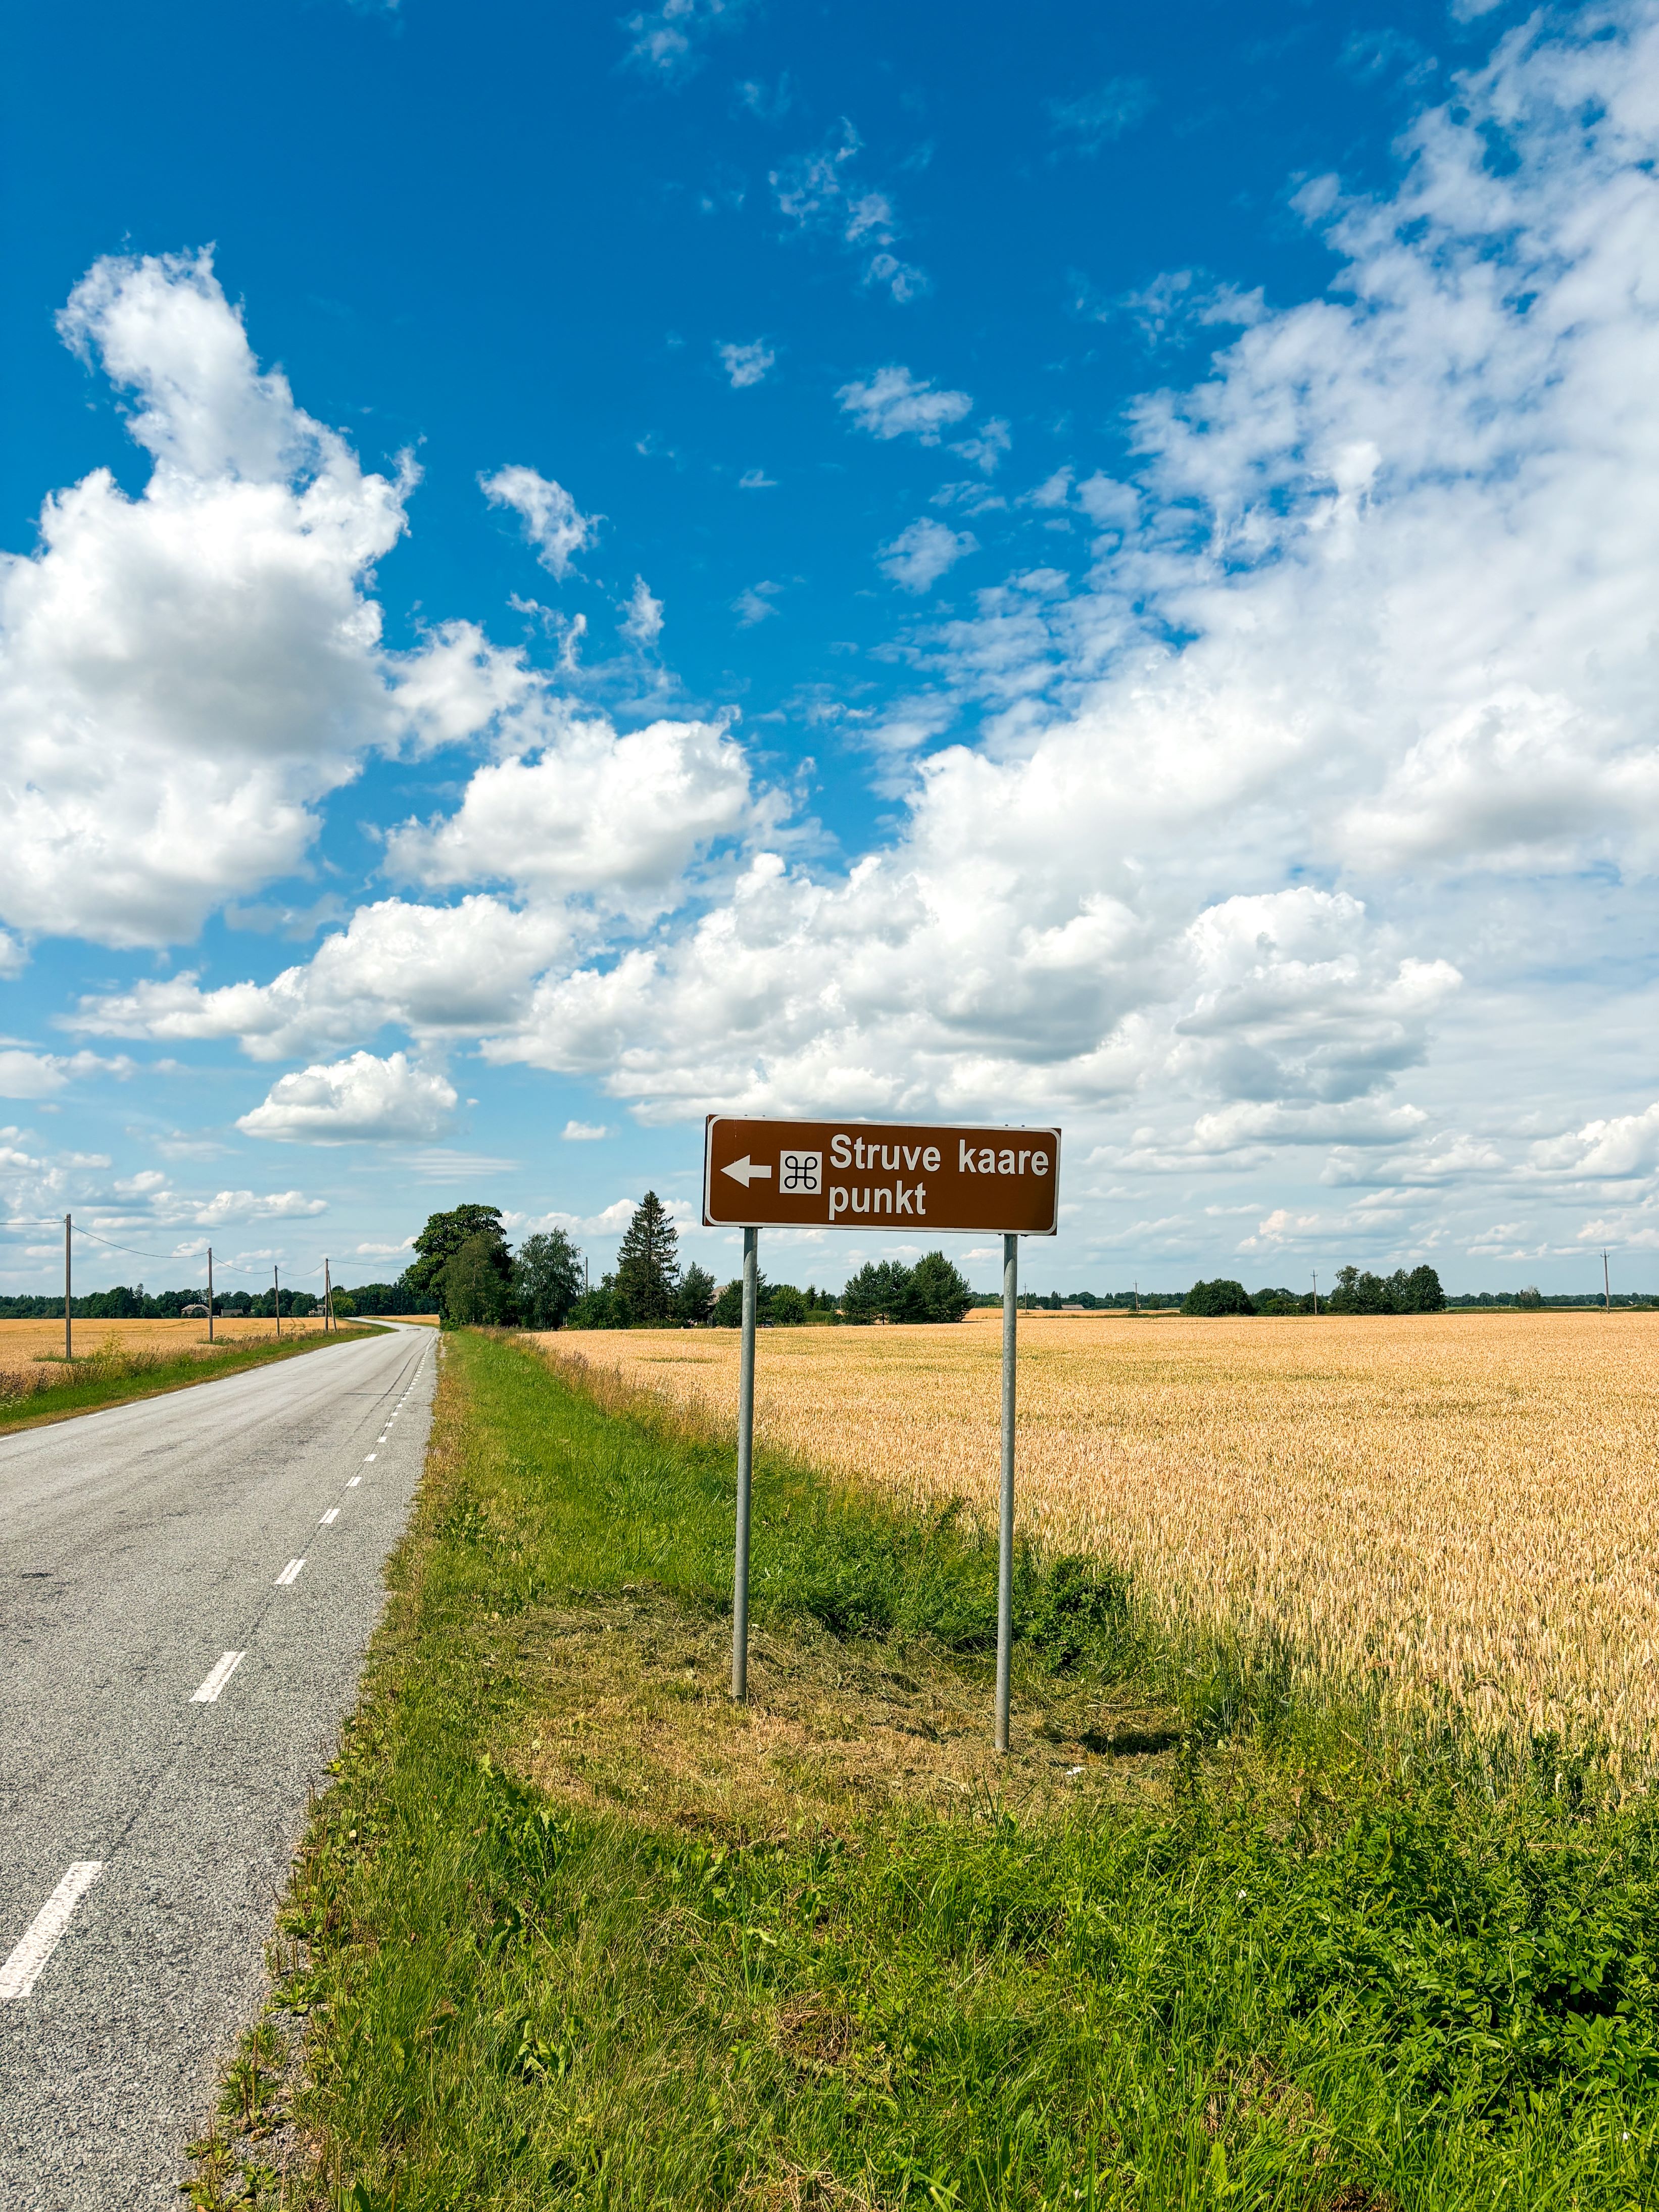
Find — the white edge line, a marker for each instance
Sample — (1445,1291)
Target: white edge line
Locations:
(41,1937)
(208,1693)
(290,1573)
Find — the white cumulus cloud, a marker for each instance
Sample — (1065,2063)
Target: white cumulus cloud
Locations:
(185,674)
(41,1074)
(438,971)
(594,815)
(348,1100)
(894,404)
(922,553)
(642,622)
(747,364)
(552,521)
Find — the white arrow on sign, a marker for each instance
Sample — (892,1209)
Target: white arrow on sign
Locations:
(744,1170)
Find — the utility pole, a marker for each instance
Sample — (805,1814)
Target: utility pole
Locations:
(69,1325)
(1316,1276)
(328,1297)
(1137,1294)
(1607,1288)
(277,1299)
(209,1294)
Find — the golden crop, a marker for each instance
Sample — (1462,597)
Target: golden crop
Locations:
(1453,1512)
(25,1344)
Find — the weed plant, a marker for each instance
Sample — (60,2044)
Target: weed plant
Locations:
(1260,1960)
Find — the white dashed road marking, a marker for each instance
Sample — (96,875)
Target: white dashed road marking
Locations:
(354,1480)
(208,1693)
(330,1517)
(369,1459)
(41,1937)
(290,1573)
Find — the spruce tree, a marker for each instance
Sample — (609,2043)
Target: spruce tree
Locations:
(648,1264)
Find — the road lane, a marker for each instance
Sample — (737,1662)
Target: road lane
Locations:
(139,1548)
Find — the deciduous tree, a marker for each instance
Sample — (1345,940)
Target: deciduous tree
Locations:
(473,1290)
(441,1240)
(547,1278)
(1222,1296)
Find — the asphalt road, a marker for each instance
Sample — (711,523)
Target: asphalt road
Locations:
(140,1548)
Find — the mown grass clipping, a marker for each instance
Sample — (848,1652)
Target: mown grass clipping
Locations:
(568,1929)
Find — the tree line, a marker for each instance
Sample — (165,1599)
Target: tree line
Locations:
(464,1270)
(544,1285)
(1354,1293)
(125,1302)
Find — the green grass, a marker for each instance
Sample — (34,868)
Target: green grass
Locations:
(112,1374)
(1286,1962)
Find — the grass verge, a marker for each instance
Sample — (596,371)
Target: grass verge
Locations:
(568,1929)
(112,1374)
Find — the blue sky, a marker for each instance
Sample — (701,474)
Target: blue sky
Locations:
(568,569)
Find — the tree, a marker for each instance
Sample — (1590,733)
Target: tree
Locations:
(547,1279)
(1530,1300)
(938,1290)
(399,1297)
(1423,1293)
(1222,1296)
(1358,1293)
(595,1309)
(879,1291)
(472,1290)
(694,1301)
(728,1306)
(647,1263)
(344,1305)
(439,1242)
(785,1308)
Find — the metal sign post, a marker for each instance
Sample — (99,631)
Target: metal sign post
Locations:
(746,1465)
(1005,1501)
(209,1294)
(867,1175)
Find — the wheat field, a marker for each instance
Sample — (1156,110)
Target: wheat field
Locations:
(1457,1514)
(25,1345)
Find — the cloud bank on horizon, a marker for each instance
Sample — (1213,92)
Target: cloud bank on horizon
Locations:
(1275,802)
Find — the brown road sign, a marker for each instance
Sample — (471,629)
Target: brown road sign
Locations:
(879,1175)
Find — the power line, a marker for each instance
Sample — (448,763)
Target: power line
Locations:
(134,1252)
